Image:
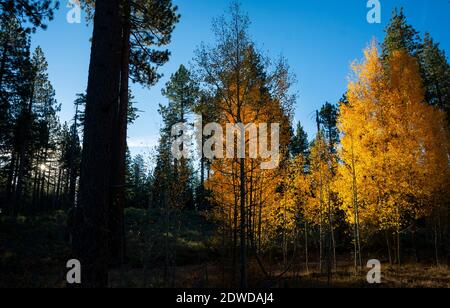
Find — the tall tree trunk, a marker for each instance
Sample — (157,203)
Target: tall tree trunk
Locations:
(73,170)
(235,232)
(48,191)
(243,227)
(330,194)
(306,249)
(250,216)
(116,218)
(260,218)
(414,241)
(320,236)
(398,237)
(234,227)
(331,226)
(202,175)
(37,172)
(284,243)
(320,201)
(24,140)
(398,247)
(58,190)
(166,236)
(21,174)
(91,236)
(357,244)
(36,189)
(10,182)
(388,246)
(436,242)
(41,193)
(72,183)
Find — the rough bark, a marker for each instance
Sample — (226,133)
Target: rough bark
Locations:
(116,218)
(91,234)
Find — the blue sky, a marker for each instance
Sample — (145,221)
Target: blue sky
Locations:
(319,39)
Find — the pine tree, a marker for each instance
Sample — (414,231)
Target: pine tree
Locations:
(206,108)
(71,150)
(139,185)
(299,144)
(14,66)
(182,92)
(146,26)
(164,188)
(435,71)
(35,129)
(91,239)
(328,120)
(400,36)
(432,60)
(32,13)
(46,125)
(175,177)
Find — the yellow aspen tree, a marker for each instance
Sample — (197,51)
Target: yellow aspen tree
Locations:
(320,209)
(291,195)
(389,146)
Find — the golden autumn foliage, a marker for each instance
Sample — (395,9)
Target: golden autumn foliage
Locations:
(390,170)
(261,185)
(291,196)
(322,163)
(379,162)
(394,148)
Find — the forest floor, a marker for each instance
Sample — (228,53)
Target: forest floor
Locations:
(34,252)
(211,276)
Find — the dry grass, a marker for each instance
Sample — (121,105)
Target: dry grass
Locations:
(214,276)
(417,276)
